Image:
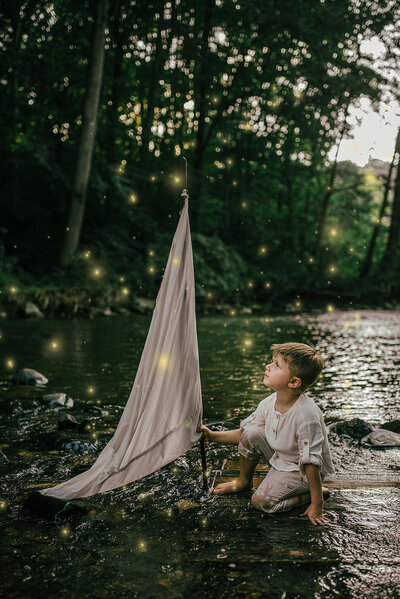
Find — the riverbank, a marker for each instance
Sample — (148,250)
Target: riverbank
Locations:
(94,302)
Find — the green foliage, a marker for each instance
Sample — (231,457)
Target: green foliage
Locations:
(270,89)
(219,269)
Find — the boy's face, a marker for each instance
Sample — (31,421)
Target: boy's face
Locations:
(277,374)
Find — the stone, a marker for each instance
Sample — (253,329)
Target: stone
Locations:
(58,399)
(381,438)
(28,376)
(32,310)
(95,410)
(78,446)
(355,428)
(143,305)
(67,422)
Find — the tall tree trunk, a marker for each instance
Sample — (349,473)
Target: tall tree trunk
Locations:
(329,190)
(366,266)
(88,133)
(390,258)
(327,197)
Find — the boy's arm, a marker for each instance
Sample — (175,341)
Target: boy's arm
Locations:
(227,437)
(315,510)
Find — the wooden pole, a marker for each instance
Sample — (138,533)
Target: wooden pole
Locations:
(204,463)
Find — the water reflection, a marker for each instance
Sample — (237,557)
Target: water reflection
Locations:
(161,536)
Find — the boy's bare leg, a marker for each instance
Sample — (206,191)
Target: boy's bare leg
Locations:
(245,480)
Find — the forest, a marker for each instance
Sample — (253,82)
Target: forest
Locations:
(103,102)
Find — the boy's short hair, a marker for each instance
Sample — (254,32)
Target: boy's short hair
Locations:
(303,361)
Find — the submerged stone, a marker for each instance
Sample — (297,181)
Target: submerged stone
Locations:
(67,422)
(77,446)
(381,438)
(28,376)
(58,399)
(355,428)
(95,410)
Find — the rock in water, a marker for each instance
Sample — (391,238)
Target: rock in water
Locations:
(381,438)
(31,309)
(355,428)
(58,399)
(95,410)
(27,376)
(52,507)
(78,446)
(67,422)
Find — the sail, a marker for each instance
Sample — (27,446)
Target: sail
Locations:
(164,408)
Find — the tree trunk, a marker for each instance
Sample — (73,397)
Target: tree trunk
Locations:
(329,190)
(327,197)
(390,257)
(87,137)
(366,266)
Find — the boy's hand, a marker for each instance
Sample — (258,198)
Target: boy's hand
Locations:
(208,435)
(314,513)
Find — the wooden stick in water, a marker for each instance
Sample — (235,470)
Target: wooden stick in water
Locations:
(203,463)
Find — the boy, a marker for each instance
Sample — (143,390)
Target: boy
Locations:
(288,430)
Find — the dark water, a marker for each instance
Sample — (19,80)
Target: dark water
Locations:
(162,536)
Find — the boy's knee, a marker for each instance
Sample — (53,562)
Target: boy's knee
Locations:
(264,503)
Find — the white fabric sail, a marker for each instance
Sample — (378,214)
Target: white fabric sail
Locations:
(164,408)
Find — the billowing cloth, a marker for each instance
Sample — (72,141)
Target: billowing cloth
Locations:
(164,408)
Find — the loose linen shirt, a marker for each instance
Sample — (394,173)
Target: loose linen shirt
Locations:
(298,436)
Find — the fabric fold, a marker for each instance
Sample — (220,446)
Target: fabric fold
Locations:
(164,408)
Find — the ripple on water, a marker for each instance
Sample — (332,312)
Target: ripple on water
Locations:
(161,533)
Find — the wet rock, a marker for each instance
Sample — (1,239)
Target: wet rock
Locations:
(52,507)
(95,410)
(31,310)
(28,376)
(143,305)
(381,438)
(394,426)
(78,446)
(58,399)
(67,422)
(346,440)
(355,428)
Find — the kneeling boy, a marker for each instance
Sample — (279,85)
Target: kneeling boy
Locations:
(288,430)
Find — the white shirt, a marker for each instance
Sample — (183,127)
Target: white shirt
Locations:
(298,436)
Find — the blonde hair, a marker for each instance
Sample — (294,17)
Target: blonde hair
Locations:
(303,361)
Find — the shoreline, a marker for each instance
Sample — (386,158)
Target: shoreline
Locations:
(90,303)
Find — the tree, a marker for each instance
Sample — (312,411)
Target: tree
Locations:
(88,133)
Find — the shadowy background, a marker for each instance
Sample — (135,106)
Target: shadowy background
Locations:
(100,101)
